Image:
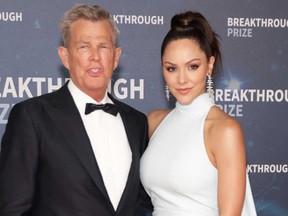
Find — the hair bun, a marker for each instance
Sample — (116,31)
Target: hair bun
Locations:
(187,21)
(194,26)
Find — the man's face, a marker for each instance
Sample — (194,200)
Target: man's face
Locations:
(91,56)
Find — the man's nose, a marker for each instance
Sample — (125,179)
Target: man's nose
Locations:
(95,55)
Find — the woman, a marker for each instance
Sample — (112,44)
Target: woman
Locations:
(195,163)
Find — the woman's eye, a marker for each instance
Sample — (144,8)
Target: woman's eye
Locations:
(193,66)
(170,69)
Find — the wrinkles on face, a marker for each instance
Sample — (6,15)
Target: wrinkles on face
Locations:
(92,56)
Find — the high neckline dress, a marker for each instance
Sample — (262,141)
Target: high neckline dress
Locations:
(175,169)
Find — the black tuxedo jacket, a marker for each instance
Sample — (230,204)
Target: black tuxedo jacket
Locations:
(47,166)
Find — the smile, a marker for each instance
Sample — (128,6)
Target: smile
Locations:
(183,91)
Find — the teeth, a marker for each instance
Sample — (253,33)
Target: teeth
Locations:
(95,70)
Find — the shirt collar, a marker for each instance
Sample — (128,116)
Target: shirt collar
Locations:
(80,98)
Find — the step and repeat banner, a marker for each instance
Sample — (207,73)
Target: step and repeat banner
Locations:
(251,86)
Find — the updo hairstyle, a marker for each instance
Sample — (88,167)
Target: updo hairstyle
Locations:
(193,26)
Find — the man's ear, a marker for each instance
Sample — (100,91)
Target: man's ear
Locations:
(63,54)
(118,52)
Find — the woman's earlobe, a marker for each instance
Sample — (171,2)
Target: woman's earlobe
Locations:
(211,64)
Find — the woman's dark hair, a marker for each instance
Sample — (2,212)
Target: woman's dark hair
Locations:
(194,26)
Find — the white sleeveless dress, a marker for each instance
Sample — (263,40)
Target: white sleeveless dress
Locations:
(175,169)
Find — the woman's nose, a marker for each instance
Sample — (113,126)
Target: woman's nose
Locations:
(182,78)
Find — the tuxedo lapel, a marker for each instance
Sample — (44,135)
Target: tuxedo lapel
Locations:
(133,172)
(65,114)
(63,111)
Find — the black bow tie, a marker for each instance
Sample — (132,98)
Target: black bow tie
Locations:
(108,107)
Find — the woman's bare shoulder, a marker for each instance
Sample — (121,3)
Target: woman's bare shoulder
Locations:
(221,120)
(224,132)
(226,151)
(155,117)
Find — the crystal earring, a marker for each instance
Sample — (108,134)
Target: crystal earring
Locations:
(209,86)
(167,92)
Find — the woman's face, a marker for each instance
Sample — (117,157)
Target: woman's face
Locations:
(185,68)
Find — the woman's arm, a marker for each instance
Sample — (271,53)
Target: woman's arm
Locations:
(230,161)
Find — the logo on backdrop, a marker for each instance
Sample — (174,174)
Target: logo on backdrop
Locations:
(267,168)
(138,19)
(11,16)
(127,88)
(12,88)
(243,26)
(232,100)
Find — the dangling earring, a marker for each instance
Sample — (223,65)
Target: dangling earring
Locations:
(209,86)
(167,92)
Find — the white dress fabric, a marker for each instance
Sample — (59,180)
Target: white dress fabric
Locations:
(175,169)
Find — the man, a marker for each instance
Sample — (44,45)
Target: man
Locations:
(59,155)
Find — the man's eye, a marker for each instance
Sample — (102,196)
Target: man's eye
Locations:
(104,46)
(83,47)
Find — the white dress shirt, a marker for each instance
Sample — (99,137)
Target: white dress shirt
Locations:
(109,142)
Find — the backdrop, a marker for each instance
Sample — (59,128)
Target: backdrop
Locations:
(251,87)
